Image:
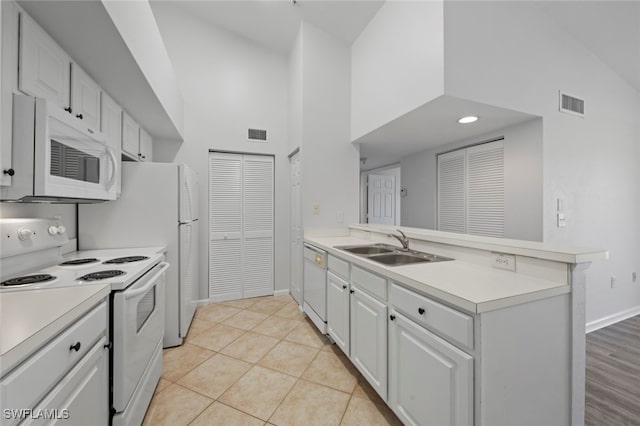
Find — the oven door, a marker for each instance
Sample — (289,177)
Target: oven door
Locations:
(71,159)
(138,326)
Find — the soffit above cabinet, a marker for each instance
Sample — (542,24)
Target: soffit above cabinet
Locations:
(109,52)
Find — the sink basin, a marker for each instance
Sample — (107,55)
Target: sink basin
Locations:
(367,250)
(397,259)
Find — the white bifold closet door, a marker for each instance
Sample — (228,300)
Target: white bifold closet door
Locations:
(241,204)
(471,190)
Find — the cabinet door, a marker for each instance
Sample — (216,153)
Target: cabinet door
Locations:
(430,381)
(85,97)
(146,146)
(44,66)
(130,136)
(369,339)
(111,126)
(338,311)
(82,396)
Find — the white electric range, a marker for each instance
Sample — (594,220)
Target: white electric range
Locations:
(30,258)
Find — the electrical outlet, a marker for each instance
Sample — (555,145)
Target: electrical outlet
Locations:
(613,281)
(562,220)
(316,208)
(504,261)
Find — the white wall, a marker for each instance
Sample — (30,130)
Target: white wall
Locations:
(523,181)
(295,93)
(510,55)
(229,85)
(397,63)
(330,163)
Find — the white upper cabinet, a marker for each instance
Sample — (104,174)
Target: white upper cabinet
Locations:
(130,136)
(111,126)
(85,97)
(44,66)
(145,148)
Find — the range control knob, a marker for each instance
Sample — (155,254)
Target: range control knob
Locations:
(25,234)
(62,229)
(53,230)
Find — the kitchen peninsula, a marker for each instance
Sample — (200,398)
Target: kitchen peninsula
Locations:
(493,337)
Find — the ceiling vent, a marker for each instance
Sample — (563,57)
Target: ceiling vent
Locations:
(571,105)
(257,135)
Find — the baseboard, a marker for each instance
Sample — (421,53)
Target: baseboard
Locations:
(612,319)
(281,292)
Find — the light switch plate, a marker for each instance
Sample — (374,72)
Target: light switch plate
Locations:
(562,220)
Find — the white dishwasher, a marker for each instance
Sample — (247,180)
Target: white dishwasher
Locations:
(315,286)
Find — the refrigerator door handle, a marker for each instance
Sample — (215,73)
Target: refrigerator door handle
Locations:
(187,222)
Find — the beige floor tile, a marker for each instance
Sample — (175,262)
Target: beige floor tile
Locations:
(277,327)
(179,361)
(214,376)
(217,337)
(245,320)
(241,303)
(362,412)
(288,357)
(332,370)
(216,312)
(267,306)
(290,310)
(258,392)
(285,298)
(250,347)
(364,390)
(175,406)
(221,415)
(162,385)
(198,326)
(306,334)
(310,404)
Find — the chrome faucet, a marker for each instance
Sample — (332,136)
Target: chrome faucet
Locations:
(403,239)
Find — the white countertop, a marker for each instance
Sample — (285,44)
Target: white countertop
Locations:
(535,249)
(30,318)
(473,288)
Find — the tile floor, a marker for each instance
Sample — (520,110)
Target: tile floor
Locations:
(259,361)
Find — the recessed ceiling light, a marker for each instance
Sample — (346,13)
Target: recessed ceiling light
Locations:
(468,119)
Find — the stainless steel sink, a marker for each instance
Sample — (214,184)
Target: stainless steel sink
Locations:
(392,256)
(374,249)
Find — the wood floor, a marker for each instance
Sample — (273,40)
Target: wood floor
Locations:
(613,375)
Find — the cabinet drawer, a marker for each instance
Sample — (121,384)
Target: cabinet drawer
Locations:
(24,387)
(445,321)
(373,284)
(339,267)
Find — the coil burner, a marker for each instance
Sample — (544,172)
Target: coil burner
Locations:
(127,259)
(27,279)
(101,275)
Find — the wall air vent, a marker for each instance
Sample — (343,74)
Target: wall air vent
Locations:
(257,135)
(571,105)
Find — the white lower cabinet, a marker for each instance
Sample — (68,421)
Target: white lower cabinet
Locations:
(430,380)
(338,311)
(369,339)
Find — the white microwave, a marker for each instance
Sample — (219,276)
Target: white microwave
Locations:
(57,158)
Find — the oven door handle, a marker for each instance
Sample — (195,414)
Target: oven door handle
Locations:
(152,281)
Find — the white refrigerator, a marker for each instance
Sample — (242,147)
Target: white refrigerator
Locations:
(158,206)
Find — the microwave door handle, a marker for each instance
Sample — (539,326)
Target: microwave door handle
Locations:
(137,292)
(114,162)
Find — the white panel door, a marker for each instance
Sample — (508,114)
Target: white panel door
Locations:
(485,189)
(44,66)
(381,199)
(451,191)
(296,232)
(430,381)
(257,226)
(111,126)
(338,311)
(85,97)
(225,226)
(369,339)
